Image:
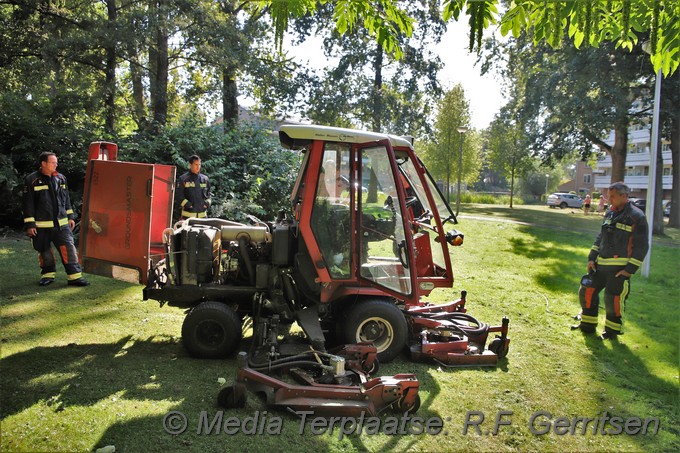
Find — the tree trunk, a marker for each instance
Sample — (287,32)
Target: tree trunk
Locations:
(229,98)
(674,219)
(377,89)
(110,71)
(658,191)
(51,60)
(136,74)
(618,152)
(372,195)
(158,59)
(512,181)
(448,165)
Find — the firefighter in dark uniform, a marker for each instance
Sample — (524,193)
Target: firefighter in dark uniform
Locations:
(194,188)
(617,253)
(49,219)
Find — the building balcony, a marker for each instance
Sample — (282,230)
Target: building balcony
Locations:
(632,159)
(634,182)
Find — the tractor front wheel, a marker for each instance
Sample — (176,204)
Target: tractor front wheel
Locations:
(380,322)
(211,330)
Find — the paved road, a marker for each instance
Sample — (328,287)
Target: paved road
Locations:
(657,241)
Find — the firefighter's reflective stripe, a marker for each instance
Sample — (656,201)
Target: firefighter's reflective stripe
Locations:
(204,185)
(611,325)
(624,296)
(74,276)
(189,184)
(638,263)
(612,261)
(624,227)
(187,214)
(39,188)
(50,224)
(595,247)
(29,219)
(185,201)
(69,211)
(588,319)
(49,275)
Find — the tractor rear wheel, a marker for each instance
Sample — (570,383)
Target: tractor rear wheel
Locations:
(378,321)
(211,330)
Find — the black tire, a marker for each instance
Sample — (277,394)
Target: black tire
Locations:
(400,407)
(378,321)
(211,330)
(228,399)
(499,347)
(563,205)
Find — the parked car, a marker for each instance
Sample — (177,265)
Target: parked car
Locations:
(640,203)
(564,200)
(666,208)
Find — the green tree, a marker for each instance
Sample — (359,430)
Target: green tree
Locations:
(507,151)
(570,99)
(592,23)
(52,72)
(533,181)
(442,155)
(249,171)
(587,22)
(363,85)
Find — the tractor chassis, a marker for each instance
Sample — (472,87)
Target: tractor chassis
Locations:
(446,334)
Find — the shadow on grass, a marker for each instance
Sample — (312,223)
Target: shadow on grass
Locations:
(626,372)
(83,374)
(122,376)
(157,372)
(561,265)
(58,308)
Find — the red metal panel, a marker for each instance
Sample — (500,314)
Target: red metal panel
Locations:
(163,190)
(115,228)
(102,151)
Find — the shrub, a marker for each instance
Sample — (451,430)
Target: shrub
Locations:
(249,171)
(487,198)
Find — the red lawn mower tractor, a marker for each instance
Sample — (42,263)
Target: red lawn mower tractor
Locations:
(367,237)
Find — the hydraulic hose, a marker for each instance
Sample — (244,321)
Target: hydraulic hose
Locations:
(305,363)
(286,360)
(469,330)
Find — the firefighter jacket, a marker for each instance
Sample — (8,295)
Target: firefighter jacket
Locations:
(195,192)
(622,240)
(46,202)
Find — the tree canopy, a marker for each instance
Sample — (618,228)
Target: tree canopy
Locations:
(587,22)
(442,155)
(365,86)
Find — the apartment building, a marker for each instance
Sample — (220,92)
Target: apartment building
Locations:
(637,163)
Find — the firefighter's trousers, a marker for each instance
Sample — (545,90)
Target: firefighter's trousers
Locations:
(616,290)
(62,238)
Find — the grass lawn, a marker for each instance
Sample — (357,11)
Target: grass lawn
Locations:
(83,368)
